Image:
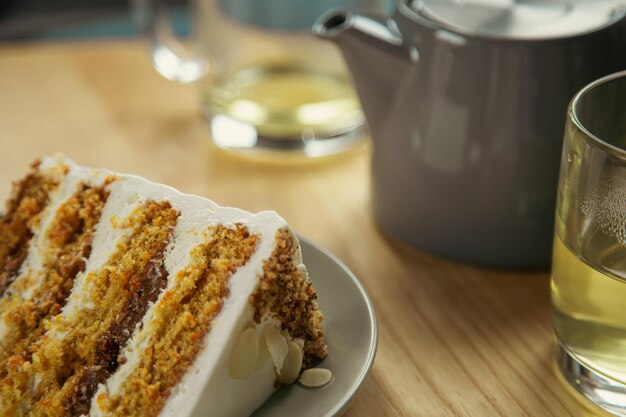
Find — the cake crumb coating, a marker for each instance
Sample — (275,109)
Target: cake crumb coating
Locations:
(286,294)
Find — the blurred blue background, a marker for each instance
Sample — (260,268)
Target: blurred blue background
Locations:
(69,19)
(74,19)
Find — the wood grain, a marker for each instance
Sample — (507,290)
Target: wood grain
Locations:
(455,340)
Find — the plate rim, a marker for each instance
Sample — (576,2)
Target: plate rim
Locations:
(348,398)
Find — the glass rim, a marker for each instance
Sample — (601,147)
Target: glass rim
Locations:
(590,138)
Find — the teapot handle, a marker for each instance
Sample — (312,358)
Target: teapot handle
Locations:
(170,57)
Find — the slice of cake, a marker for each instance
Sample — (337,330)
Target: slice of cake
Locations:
(122,297)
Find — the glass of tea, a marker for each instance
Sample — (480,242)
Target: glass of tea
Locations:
(589,255)
(267,85)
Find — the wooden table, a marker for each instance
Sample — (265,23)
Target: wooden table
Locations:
(455,340)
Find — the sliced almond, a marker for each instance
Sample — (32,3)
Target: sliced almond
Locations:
(277,346)
(315,377)
(264,354)
(286,335)
(299,342)
(244,357)
(293,364)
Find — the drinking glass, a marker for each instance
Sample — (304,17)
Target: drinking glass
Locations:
(266,83)
(589,254)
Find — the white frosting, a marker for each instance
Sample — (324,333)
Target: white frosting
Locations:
(206,389)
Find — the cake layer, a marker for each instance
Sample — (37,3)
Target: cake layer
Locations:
(21,220)
(68,243)
(77,348)
(132,299)
(119,295)
(181,320)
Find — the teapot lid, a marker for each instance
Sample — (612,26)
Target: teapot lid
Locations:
(521,19)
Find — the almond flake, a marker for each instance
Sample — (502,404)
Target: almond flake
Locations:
(299,342)
(277,345)
(264,354)
(292,365)
(315,377)
(244,357)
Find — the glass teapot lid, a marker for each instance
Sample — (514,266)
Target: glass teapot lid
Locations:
(521,19)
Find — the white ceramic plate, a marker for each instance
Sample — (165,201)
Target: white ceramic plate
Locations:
(351,335)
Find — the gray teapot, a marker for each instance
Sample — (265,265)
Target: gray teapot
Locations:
(466,101)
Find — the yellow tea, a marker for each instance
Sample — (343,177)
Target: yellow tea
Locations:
(589,304)
(286,101)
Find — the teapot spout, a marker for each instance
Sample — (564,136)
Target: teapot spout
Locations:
(375,52)
(342,24)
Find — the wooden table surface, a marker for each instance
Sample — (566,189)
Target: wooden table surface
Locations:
(454,340)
